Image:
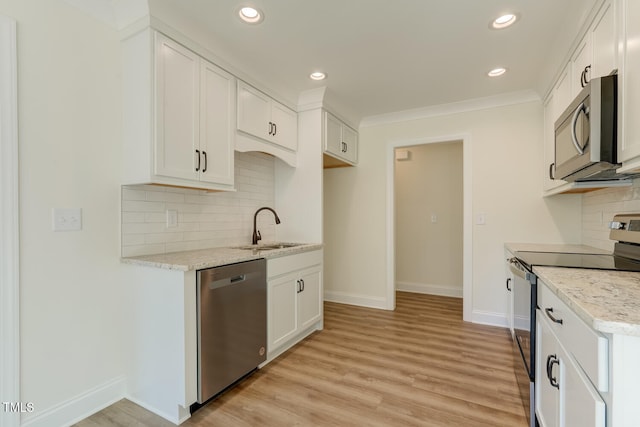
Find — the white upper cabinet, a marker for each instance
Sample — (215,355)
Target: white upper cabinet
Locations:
(604,41)
(629,88)
(596,53)
(179,113)
(264,118)
(340,142)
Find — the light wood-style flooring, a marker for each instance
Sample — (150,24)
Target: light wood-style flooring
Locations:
(419,365)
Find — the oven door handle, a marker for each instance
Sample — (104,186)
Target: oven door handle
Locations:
(519,270)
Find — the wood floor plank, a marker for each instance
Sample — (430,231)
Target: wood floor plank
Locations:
(419,365)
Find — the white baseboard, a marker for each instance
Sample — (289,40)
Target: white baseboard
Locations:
(352,299)
(79,407)
(489,318)
(424,288)
(182,417)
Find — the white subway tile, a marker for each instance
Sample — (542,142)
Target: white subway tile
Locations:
(153,238)
(205,219)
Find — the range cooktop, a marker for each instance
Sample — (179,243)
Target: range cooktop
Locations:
(594,261)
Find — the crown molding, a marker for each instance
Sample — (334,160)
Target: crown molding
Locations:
(476,104)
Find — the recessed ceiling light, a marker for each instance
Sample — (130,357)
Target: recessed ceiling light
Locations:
(497,72)
(250,15)
(318,75)
(504,21)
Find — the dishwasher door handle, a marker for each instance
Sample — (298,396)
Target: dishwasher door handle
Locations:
(227,281)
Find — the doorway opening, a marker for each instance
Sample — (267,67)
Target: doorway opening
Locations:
(429,218)
(428,206)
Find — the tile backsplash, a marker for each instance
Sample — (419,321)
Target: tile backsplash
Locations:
(598,209)
(205,219)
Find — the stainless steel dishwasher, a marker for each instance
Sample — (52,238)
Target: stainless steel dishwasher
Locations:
(232,324)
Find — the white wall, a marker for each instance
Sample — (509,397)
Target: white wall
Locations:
(429,250)
(506,144)
(205,219)
(69,138)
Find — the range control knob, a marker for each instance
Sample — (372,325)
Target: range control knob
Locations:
(616,225)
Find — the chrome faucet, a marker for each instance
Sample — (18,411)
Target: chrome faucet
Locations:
(256,233)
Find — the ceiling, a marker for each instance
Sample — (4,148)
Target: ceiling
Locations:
(384,56)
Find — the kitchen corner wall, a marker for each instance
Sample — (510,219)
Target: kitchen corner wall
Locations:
(598,209)
(205,219)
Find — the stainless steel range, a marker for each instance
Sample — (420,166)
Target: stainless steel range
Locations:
(625,230)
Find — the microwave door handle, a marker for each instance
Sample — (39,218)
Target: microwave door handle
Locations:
(574,120)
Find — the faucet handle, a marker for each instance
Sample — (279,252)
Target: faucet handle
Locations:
(258,236)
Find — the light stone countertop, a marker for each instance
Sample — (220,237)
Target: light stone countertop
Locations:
(213,257)
(608,301)
(567,248)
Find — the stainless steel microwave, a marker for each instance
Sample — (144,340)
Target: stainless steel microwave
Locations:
(586,136)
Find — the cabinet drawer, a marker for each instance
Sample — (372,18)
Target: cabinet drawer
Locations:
(289,263)
(588,348)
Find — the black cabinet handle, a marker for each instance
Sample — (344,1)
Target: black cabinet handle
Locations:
(270,128)
(198,167)
(548,311)
(275,129)
(302,281)
(205,161)
(583,77)
(298,286)
(552,167)
(552,359)
(508,284)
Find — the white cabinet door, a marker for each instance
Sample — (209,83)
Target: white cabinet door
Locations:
(264,118)
(581,404)
(580,66)
(562,93)
(350,139)
(547,396)
(285,126)
(604,42)
(332,134)
(283,310)
(310,298)
(254,111)
(629,86)
(177,110)
(217,103)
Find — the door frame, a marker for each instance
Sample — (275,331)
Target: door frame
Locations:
(467,253)
(9,223)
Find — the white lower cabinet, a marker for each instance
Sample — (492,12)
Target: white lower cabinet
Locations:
(572,366)
(295,300)
(564,394)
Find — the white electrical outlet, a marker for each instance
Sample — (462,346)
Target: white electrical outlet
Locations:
(481,219)
(172,218)
(434,218)
(67,219)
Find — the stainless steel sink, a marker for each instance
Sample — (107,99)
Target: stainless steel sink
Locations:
(269,246)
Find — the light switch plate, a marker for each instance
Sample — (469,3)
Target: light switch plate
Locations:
(67,219)
(481,219)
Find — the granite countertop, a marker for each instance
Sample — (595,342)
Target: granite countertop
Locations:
(540,247)
(214,257)
(608,301)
